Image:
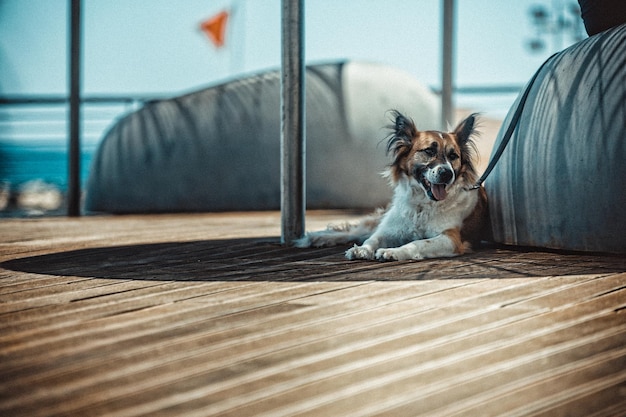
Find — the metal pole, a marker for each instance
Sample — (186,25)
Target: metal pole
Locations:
(293,142)
(73,190)
(447,105)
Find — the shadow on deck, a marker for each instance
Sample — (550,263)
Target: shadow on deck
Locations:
(262,259)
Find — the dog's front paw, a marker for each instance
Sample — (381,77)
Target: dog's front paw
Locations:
(393,254)
(386,254)
(359,252)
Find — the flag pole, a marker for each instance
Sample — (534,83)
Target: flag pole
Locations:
(293,197)
(237,51)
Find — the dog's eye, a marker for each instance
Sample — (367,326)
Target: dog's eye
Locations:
(430,152)
(453,156)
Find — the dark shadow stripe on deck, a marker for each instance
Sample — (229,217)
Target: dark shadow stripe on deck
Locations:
(266,260)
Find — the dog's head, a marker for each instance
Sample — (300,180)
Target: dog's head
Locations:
(431,159)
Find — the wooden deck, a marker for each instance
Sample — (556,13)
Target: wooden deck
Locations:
(198,315)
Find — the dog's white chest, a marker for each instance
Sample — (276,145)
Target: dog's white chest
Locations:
(413,218)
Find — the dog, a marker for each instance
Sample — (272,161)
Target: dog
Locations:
(434,212)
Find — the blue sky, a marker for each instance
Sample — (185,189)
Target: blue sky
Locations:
(155,46)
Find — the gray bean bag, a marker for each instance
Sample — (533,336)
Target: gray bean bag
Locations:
(561,182)
(219,148)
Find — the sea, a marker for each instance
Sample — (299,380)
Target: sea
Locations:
(34,155)
(45,161)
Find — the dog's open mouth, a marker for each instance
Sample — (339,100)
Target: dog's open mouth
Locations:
(435,192)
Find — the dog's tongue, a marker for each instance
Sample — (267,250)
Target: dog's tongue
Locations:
(439,191)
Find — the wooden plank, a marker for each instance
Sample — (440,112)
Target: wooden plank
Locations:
(186,315)
(177,370)
(396,379)
(139,322)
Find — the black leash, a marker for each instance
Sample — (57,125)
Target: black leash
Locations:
(510,129)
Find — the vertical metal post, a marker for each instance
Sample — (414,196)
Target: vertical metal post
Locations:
(73,187)
(293,140)
(447,64)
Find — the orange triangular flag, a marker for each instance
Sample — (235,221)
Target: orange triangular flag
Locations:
(215,28)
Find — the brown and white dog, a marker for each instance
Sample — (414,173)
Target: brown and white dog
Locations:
(433,212)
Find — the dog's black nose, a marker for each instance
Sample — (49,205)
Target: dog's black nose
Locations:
(444,174)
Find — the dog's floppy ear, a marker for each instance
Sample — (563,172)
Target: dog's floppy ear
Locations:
(402,133)
(464,132)
(400,141)
(465,129)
